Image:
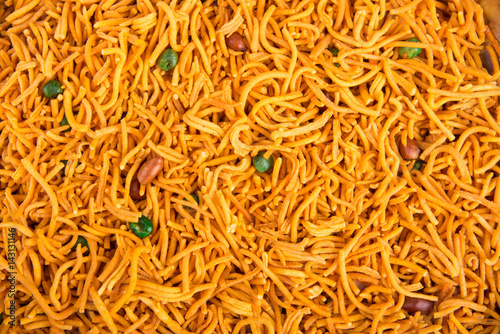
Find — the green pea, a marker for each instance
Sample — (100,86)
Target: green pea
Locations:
(142,228)
(168,59)
(418,164)
(65,122)
(65,162)
(262,164)
(197,200)
(84,243)
(52,89)
(335,53)
(407,52)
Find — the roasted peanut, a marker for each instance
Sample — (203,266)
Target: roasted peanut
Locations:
(409,152)
(135,191)
(491,10)
(325,108)
(236,42)
(361,285)
(150,170)
(414,305)
(487,61)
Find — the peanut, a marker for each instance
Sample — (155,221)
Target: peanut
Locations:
(135,191)
(487,61)
(236,42)
(325,108)
(150,170)
(361,285)
(414,305)
(411,151)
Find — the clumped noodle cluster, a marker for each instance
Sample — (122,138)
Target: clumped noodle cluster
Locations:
(337,237)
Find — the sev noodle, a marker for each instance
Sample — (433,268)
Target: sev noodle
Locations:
(334,239)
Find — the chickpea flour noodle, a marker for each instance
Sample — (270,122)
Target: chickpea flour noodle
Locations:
(295,167)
